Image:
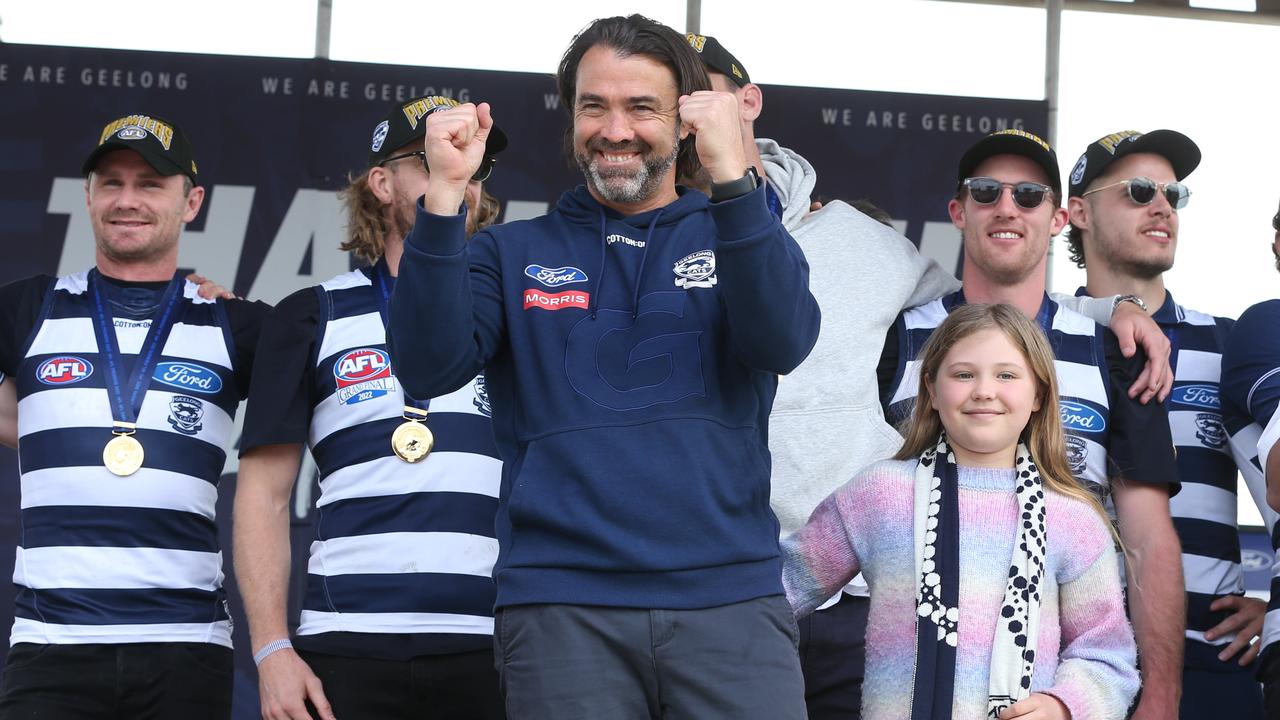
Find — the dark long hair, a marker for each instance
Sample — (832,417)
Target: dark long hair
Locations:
(635,35)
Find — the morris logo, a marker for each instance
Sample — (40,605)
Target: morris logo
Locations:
(63,370)
(1081,418)
(360,365)
(555,277)
(1201,396)
(188,376)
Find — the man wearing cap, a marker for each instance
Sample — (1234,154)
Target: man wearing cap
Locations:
(1251,412)
(1007,209)
(397,618)
(631,341)
(129,382)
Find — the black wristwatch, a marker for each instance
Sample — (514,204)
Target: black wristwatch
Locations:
(736,188)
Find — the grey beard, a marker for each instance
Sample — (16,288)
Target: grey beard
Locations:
(634,189)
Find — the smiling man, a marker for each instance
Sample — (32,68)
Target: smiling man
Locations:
(127,385)
(632,340)
(1126,193)
(1007,208)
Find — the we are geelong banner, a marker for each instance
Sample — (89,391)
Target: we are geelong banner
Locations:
(276,138)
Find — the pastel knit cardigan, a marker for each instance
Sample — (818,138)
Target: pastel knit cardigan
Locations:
(1085,654)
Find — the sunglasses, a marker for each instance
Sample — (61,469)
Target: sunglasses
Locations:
(1142,191)
(482,173)
(987,191)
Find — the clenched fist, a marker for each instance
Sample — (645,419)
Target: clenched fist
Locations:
(713,118)
(454,144)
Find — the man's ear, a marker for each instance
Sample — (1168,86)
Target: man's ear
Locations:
(380,184)
(752,102)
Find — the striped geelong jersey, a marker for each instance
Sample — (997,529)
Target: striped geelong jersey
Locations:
(1251,412)
(107,559)
(400,548)
(1205,512)
(1080,362)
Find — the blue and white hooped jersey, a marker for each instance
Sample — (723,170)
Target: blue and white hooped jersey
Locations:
(400,547)
(1080,362)
(1205,511)
(1251,385)
(108,559)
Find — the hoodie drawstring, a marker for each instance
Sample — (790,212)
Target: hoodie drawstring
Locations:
(644,258)
(604,255)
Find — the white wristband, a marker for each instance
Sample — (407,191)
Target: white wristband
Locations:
(269,648)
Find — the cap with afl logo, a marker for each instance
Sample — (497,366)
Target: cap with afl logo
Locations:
(1013,142)
(717,59)
(1178,149)
(406,123)
(161,143)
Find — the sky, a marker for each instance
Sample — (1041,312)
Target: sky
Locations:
(1119,72)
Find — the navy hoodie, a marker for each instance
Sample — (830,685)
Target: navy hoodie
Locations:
(631,364)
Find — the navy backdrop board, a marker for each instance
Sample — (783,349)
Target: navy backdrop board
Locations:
(275,138)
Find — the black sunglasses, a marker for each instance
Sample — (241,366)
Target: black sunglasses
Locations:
(482,173)
(987,191)
(1142,191)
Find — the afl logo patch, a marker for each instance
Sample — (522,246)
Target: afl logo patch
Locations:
(363,374)
(379,136)
(133,132)
(63,370)
(696,270)
(555,277)
(188,376)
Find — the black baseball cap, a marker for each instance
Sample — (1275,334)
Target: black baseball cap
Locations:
(406,123)
(161,143)
(1178,149)
(716,58)
(1013,142)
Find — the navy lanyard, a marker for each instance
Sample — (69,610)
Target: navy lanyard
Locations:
(124,408)
(382,278)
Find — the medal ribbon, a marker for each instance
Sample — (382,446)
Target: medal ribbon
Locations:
(124,408)
(413,409)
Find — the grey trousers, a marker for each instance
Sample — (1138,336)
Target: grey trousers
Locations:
(571,662)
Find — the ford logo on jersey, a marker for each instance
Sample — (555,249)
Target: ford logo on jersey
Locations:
(1201,396)
(188,376)
(1081,418)
(363,374)
(555,277)
(63,370)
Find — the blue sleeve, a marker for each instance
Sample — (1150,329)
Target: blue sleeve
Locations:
(1251,363)
(773,318)
(445,317)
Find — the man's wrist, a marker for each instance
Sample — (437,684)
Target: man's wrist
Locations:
(737,187)
(270,648)
(1115,303)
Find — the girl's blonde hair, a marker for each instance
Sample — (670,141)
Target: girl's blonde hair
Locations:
(1043,435)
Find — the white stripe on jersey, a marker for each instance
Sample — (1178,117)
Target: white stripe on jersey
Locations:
(352,332)
(1199,366)
(1267,440)
(385,476)
(51,568)
(314,622)
(1081,381)
(1199,572)
(34,631)
(50,410)
(146,488)
(64,336)
(1197,635)
(405,552)
(1205,502)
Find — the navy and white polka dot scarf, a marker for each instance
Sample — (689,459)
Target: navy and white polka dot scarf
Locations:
(937,561)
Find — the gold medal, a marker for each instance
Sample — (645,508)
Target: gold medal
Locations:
(123,455)
(412,441)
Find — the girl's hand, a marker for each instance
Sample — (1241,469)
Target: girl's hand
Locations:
(1037,706)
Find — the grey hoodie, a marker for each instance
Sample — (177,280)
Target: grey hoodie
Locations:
(826,422)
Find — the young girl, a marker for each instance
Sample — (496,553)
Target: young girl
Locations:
(994,586)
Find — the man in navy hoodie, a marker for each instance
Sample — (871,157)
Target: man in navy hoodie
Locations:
(632,340)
